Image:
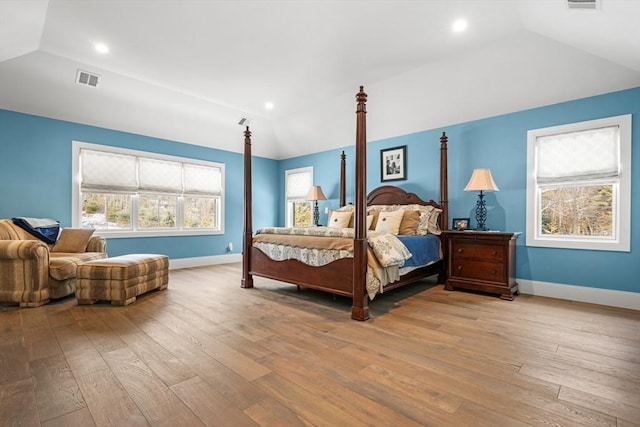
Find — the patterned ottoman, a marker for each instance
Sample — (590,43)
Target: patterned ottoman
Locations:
(121,279)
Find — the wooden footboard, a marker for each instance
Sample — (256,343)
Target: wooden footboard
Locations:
(334,277)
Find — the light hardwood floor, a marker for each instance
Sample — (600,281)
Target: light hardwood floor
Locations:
(206,352)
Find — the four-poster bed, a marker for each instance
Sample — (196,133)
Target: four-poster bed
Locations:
(347,276)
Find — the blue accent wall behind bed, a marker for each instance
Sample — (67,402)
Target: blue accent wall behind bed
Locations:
(499,143)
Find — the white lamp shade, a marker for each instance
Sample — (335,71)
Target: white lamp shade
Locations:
(315,193)
(481,180)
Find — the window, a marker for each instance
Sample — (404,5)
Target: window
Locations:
(127,193)
(297,185)
(579,185)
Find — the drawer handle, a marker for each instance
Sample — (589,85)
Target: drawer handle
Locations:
(459,268)
(460,250)
(495,253)
(494,271)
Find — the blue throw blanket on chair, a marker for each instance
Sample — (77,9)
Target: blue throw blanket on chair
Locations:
(44,229)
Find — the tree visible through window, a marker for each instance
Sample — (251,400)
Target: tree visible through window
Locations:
(301,214)
(577,211)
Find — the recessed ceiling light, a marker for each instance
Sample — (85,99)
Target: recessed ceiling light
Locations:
(459,25)
(268,105)
(102,48)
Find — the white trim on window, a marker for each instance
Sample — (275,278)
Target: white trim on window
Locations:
(620,182)
(216,189)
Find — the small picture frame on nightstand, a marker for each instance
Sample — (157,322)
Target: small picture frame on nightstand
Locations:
(460,224)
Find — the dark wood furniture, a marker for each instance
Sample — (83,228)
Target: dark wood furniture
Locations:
(482,261)
(345,276)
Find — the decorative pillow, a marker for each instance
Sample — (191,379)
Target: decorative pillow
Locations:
(389,222)
(410,221)
(73,240)
(373,213)
(369,222)
(347,208)
(434,225)
(340,219)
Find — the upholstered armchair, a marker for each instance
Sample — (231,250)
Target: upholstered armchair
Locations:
(32,272)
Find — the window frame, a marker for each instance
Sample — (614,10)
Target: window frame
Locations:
(289,201)
(621,203)
(76,199)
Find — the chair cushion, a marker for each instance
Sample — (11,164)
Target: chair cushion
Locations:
(63,266)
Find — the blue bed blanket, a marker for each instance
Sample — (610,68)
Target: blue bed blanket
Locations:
(424,249)
(44,229)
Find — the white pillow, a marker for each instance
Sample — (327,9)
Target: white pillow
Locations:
(389,222)
(339,219)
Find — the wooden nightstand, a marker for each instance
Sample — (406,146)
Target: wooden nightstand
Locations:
(482,261)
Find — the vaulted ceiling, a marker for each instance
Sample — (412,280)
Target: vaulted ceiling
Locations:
(189,70)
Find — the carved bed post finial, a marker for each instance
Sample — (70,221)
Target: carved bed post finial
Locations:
(361,97)
(247,237)
(360,305)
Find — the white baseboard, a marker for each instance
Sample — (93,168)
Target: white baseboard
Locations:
(608,297)
(175,264)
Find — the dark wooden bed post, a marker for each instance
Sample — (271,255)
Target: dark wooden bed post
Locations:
(247,279)
(444,186)
(444,204)
(343,166)
(360,305)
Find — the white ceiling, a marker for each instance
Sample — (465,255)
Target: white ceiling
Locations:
(188,70)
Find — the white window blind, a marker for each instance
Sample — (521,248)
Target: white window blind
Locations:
(298,184)
(108,171)
(115,172)
(590,154)
(159,175)
(200,179)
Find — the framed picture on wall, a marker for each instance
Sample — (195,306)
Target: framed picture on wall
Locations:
(460,224)
(393,164)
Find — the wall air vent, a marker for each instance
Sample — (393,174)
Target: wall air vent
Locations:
(583,4)
(244,121)
(87,79)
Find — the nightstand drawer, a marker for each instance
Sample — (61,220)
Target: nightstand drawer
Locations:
(480,270)
(477,251)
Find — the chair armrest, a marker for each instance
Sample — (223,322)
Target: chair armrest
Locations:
(24,249)
(24,270)
(97,244)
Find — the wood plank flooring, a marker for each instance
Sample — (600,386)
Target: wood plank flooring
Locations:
(206,352)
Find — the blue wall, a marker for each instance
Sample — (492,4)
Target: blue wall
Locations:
(35,181)
(499,143)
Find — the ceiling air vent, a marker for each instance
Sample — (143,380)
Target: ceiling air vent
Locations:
(87,79)
(583,4)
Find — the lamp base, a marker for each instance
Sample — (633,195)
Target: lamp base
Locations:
(316,214)
(481,213)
